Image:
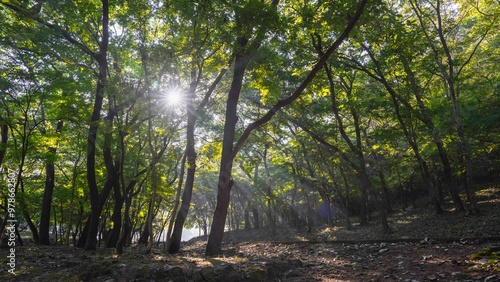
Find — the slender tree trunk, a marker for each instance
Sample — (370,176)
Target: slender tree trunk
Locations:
(226,166)
(425,117)
(176,203)
(180,219)
(154,185)
(74,178)
(174,241)
(26,214)
(49,189)
(82,241)
(116,218)
(55,224)
(410,136)
(256,220)
(248,226)
(450,76)
(126,227)
(95,210)
(47,199)
(347,221)
(20,183)
(118,183)
(269,194)
(366,186)
(5,137)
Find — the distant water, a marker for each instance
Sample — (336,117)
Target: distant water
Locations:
(188,234)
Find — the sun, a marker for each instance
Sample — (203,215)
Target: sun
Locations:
(174,97)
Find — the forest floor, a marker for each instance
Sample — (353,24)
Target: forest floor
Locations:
(422,247)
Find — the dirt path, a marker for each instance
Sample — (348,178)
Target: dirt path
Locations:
(249,256)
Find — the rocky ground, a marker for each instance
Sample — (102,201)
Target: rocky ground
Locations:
(422,247)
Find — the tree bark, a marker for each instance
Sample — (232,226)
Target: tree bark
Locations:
(225,183)
(269,194)
(50,172)
(154,178)
(176,203)
(95,210)
(180,219)
(5,137)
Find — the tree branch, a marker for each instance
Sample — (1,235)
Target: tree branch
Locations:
(55,27)
(298,92)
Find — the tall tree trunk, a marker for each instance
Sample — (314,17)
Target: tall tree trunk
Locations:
(450,76)
(47,200)
(427,120)
(269,194)
(95,210)
(154,183)
(19,180)
(410,136)
(5,137)
(116,218)
(144,236)
(226,166)
(255,216)
(347,219)
(74,178)
(180,219)
(118,187)
(366,186)
(174,241)
(49,189)
(176,202)
(122,240)
(385,190)
(229,150)
(25,212)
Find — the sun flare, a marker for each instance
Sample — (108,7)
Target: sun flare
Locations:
(174,97)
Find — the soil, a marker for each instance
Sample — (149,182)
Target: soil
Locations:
(421,247)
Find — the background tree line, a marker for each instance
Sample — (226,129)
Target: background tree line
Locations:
(293,112)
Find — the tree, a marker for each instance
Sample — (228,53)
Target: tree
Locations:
(229,151)
(443,19)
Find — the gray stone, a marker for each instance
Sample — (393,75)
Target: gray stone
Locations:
(197,277)
(208,274)
(257,274)
(278,269)
(228,274)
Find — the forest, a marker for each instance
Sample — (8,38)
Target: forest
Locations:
(125,122)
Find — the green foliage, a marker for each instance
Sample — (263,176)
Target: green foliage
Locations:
(48,75)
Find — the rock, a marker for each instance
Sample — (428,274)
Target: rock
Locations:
(294,273)
(256,274)
(432,278)
(278,269)
(72,263)
(208,274)
(142,272)
(197,277)
(175,272)
(228,274)
(492,278)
